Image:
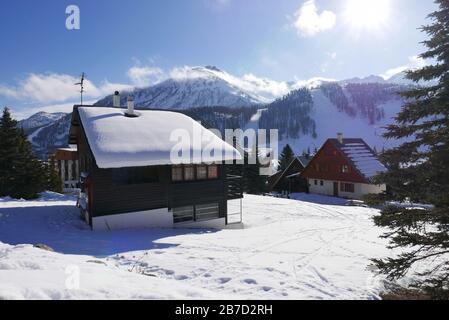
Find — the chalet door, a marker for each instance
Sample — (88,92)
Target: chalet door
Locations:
(336,189)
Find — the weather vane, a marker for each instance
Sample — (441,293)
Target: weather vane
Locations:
(81,84)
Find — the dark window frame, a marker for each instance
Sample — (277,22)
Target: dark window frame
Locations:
(193,167)
(347,187)
(217,171)
(208,176)
(172,173)
(194,214)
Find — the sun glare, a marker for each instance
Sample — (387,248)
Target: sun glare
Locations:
(367,14)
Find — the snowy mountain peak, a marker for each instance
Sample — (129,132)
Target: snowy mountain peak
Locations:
(190,87)
(213,68)
(40,119)
(369,79)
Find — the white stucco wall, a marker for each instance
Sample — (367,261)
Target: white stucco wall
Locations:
(159,218)
(360,189)
(326,189)
(372,188)
(209,224)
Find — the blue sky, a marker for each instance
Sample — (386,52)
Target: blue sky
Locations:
(137,42)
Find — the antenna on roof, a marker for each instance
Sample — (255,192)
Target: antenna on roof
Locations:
(81,84)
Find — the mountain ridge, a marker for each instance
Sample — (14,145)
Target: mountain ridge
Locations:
(305,116)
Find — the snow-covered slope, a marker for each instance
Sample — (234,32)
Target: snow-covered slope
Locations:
(358,110)
(193,87)
(54,134)
(310,248)
(40,119)
(329,121)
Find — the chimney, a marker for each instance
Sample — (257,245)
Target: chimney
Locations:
(116,100)
(130,104)
(340,137)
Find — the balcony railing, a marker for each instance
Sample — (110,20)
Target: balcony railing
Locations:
(234,187)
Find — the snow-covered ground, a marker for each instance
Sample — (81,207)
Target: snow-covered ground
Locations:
(312,247)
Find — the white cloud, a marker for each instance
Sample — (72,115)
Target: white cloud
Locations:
(265,87)
(309,22)
(107,88)
(414,62)
(311,83)
(24,113)
(53,88)
(145,76)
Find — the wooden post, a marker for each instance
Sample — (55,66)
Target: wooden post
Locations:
(77,170)
(69,177)
(63,172)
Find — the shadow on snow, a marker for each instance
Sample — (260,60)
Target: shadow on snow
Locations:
(60,227)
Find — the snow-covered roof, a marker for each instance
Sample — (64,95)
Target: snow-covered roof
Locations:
(150,139)
(304,160)
(70,148)
(362,157)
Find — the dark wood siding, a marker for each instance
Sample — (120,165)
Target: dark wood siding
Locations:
(110,198)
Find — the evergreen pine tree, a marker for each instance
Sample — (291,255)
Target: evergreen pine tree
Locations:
(419,170)
(53,179)
(254,182)
(21,173)
(9,150)
(286,157)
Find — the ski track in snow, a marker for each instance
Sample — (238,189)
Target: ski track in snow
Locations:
(36,133)
(310,248)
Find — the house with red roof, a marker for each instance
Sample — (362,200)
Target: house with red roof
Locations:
(344,168)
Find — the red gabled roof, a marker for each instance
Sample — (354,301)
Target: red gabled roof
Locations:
(354,153)
(361,156)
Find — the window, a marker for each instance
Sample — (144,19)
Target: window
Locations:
(189,173)
(347,187)
(321,183)
(199,212)
(212,172)
(138,175)
(183,214)
(344,168)
(192,173)
(176,174)
(207,211)
(201,172)
(316,182)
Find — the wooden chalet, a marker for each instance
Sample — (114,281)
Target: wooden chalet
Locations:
(290,180)
(128,178)
(344,168)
